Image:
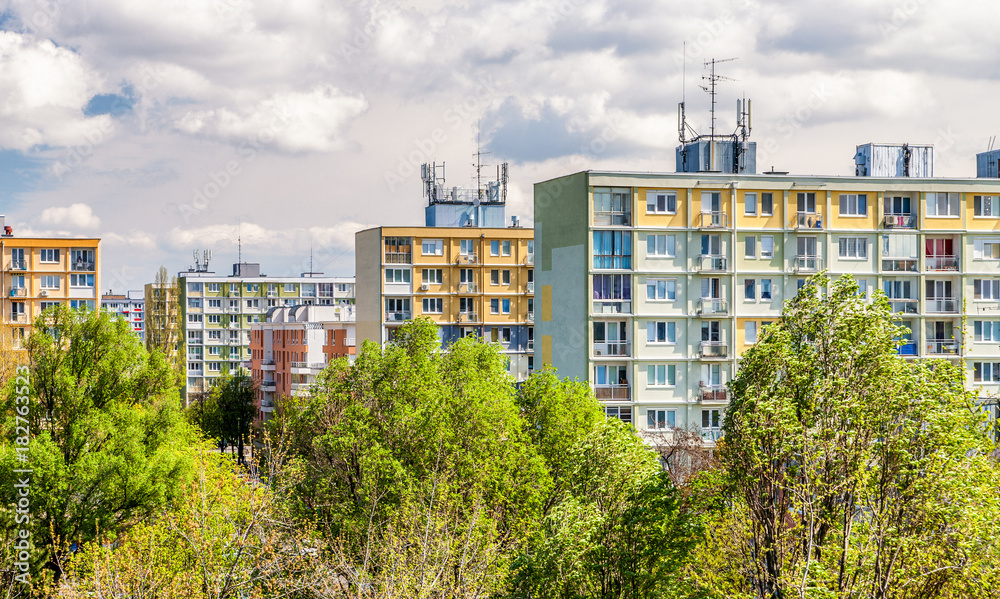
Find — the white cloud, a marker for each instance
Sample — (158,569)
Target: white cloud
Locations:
(74,216)
(43,91)
(135,240)
(296,241)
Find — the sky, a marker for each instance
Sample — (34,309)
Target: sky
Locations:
(169,126)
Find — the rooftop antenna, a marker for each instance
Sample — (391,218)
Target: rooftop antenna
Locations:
(479,161)
(712,79)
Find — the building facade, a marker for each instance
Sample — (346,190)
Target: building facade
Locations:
(218,311)
(36,273)
(293,345)
(130,307)
(652,285)
(468,280)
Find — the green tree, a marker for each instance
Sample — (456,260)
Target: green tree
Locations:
(855,472)
(618,530)
(163,331)
(109,446)
(226,412)
(412,452)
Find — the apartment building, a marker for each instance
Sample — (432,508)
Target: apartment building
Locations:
(39,272)
(653,284)
(129,306)
(293,345)
(218,311)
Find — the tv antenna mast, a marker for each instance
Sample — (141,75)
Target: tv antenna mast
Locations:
(713,79)
(479,161)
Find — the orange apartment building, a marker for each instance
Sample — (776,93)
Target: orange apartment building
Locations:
(293,346)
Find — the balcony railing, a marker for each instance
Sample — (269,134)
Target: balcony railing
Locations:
(398,257)
(18,265)
(531,317)
(941,263)
(713,220)
(616,219)
(612,307)
(714,349)
(947,347)
(711,434)
(310,365)
(468,288)
(80,265)
(808,220)
(470,258)
(907,349)
(713,392)
(712,306)
(712,263)
(19,292)
(903,306)
(468,317)
(612,392)
(612,348)
(808,263)
(397,316)
(941,305)
(531,286)
(899,221)
(899,265)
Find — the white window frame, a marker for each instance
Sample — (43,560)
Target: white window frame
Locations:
(849,205)
(764,241)
(986,206)
(669,329)
(986,331)
(989,290)
(751,286)
(750,243)
(433,305)
(750,203)
(661,375)
(404,276)
(669,289)
(653,202)
(770,197)
(850,244)
(669,246)
(748,326)
(214,287)
(49,255)
(979,248)
(50,281)
(436,247)
(952,201)
(657,415)
(432,276)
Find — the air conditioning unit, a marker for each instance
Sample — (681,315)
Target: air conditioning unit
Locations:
(425,287)
(43,293)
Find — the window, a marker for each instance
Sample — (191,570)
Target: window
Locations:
(942,204)
(986,289)
(660,420)
(50,255)
(214,319)
(505,333)
(853,204)
(215,366)
(986,330)
(217,335)
(986,206)
(215,350)
(432,247)
(661,375)
(899,246)
(750,204)
(290,288)
(76,280)
(194,318)
(47,305)
(612,206)
(397,275)
(194,366)
(854,248)
(505,248)
(806,202)
(214,287)
(623,413)
(255,288)
(661,289)
(767,246)
(506,277)
(433,305)
(505,306)
(215,303)
(767,204)
(194,302)
(750,289)
(765,289)
(194,287)
(495,306)
(987,249)
(605,375)
(711,419)
(432,275)
(49,282)
(750,330)
(751,246)
(495,276)
(986,372)
(495,247)
(661,332)
(612,249)
(661,246)
(612,287)
(661,202)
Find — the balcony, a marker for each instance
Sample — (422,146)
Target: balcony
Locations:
(531,317)
(903,305)
(81,266)
(942,347)
(714,349)
(713,393)
(272,294)
(808,263)
(397,316)
(468,317)
(612,219)
(18,292)
(529,259)
(266,404)
(712,263)
(468,259)
(899,265)
(18,265)
(713,306)
(808,220)
(612,348)
(468,288)
(398,257)
(267,365)
(612,392)
(941,305)
(310,366)
(941,263)
(713,220)
(612,307)
(531,286)
(899,221)
(711,434)
(907,349)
